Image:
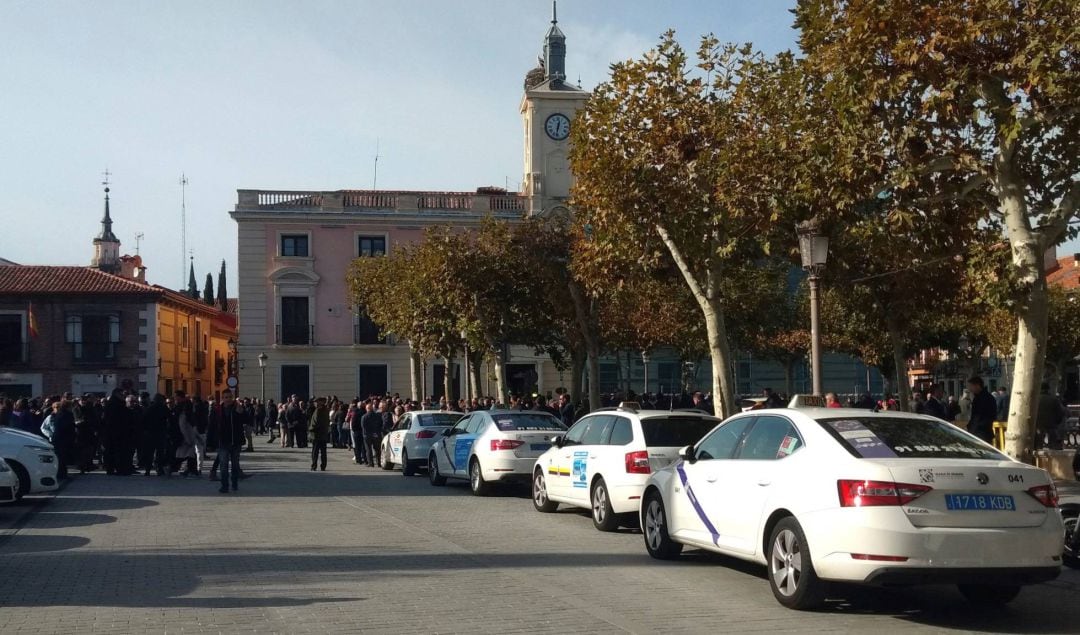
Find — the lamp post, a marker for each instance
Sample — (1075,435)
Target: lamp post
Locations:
(465,340)
(645,362)
(262,370)
(814,249)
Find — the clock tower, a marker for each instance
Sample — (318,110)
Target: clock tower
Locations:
(547,112)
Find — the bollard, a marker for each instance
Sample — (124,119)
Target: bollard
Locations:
(999,434)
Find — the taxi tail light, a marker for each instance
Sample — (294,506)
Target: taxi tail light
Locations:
(878,493)
(505,444)
(638,462)
(1045,494)
(425,434)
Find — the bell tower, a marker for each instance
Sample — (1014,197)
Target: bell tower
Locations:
(547,112)
(106,244)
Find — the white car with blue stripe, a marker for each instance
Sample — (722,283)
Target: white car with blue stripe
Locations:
(605,460)
(492,446)
(821,495)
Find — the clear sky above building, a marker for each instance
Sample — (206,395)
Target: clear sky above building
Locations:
(289,95)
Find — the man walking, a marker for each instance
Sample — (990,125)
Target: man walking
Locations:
(983,411)
(356,431)
(319,433)
(230,438)
(372,425)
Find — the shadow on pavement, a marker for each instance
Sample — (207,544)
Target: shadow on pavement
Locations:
(102,503)
(58,520)
(21,544)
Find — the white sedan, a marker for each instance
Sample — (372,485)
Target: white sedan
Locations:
(604,461)
(9,483)
(886,498)
(489,446)
(32,459)
(409,443)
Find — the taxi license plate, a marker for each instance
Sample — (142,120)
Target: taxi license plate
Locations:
(540,447)
(980,502)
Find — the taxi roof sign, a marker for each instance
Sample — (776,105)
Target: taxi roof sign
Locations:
(807,401)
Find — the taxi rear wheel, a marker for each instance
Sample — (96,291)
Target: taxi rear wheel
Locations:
(654,527)
(792,577)
(989,594)
(603,516)
(477,484)
(433,471)
(407,468)
(540,498)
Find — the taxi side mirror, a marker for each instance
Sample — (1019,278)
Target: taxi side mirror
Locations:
(687,454)
(447,432)
(557,441)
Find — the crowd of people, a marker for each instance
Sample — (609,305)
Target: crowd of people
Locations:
(127,433)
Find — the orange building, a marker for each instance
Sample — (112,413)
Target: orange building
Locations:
(196,345)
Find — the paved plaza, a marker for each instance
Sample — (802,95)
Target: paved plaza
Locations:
(361,550)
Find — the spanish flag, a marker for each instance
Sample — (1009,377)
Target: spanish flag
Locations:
(32,321)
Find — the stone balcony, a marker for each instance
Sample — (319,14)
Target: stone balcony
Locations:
(483,201)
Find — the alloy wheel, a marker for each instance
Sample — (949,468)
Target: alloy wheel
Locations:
(599,506)
(654,524)
(785,563)
(539,490)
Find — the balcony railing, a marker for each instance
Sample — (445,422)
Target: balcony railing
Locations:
(368,334)
(295,335)
(94,352)
(481,202)
(14,352)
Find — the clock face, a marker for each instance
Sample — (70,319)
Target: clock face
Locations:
(557,126)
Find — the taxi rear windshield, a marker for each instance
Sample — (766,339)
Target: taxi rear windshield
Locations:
(527,421)
(675,432)
(901,438)
(438,419)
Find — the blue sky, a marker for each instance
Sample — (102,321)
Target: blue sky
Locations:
(283,95)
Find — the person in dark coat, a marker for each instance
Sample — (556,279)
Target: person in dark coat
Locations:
(983,410)
(934,406)
(86,428)
(116,424)
(62,435)
(372,425)
(228,421)
(319,432)
(154,451)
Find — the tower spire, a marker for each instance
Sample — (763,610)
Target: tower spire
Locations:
(106,244)
(555,48)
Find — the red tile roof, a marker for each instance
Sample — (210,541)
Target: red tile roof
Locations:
(1066,274)
(49,280)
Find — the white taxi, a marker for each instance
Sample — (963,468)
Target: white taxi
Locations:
(409,443)
(604,461)
(489,446)
(9,483)
(846,495)
(32,459)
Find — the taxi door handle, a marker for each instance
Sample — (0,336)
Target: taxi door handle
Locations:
(711,479)
(764,483)
(592,456)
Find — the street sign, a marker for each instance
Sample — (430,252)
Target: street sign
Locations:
(231,381)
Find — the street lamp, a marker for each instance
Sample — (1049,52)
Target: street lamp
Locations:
(645,362)
(814,249)
(262,370)
(465,340)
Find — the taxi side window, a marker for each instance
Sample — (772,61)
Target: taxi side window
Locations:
(476,424)
(770,439)
(721,442)
(459,427)
(577,432)
(596,433)
(621,432)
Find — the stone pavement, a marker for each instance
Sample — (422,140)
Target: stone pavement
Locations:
(361,550)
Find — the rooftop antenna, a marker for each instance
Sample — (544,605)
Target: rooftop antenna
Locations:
(183,228)
(138,239)
(375,179)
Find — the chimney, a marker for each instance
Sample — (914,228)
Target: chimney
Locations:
(1076,261)
(131,267)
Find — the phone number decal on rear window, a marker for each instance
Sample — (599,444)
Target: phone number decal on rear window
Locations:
(862,440)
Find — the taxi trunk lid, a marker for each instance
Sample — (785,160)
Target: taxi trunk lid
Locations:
(533,444)
(971,493)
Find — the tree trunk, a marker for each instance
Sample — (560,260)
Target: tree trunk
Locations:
(416,380)
(476,360)
(584,312)
(903,384)
(723,387)
(789,372)
(577,369)
(1030,360)
(448,376)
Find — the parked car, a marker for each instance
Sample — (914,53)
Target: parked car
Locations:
(31,458)
(605,460)
(492,446)
(409,443)
(9,483)
(888,498)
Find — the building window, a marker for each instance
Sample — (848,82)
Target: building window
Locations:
(366,331)
(295,245)
(371,246)
(184,336)
(12,342)
(295,327)
(93,337)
